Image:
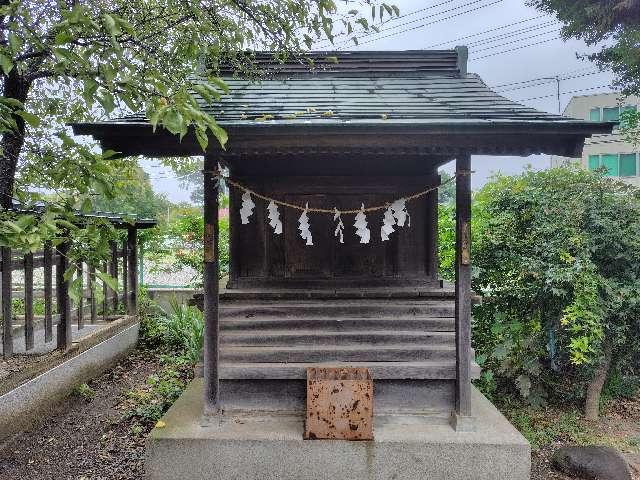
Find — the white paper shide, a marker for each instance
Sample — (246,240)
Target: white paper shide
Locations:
(247,208)
(362,230)
(274,217)
(339,232)
(303,226)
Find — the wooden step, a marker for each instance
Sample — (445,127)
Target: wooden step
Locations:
(433,324)
(337,309)
(423,370)
(434,292)
(326,353)
(334,337)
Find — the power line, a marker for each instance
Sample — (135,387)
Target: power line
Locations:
(545,80)
(491,47)
(328,43)
(530,28)
(539,78)
(514,49)
(434,21)
(455,40)
(562,93)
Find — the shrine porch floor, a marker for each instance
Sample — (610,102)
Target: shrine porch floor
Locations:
(246,445)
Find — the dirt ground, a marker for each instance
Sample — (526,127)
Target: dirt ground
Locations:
(91,439)
(85,439)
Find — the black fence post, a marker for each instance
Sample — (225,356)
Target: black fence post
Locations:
(47,260)
(132,270)
(28,301)
(7,303)
(64,336)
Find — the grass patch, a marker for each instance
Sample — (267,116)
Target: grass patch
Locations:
(84,391)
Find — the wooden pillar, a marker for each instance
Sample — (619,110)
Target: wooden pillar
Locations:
(132,271)
(211,279)
(7,314)
(28,301)
(463,288)
(47,260)
(62,299)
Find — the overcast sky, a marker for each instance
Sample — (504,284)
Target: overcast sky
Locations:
(441,24)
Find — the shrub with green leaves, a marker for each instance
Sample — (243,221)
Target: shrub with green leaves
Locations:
(184,238)
(556,256)
(183,329)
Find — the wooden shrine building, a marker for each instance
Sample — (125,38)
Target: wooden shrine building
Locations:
(370,129)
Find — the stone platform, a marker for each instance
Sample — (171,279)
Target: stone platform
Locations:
(243,445)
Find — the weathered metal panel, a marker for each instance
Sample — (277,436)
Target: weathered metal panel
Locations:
(339,404)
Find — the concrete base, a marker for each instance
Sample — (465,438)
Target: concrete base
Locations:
(269,446)
(24,404)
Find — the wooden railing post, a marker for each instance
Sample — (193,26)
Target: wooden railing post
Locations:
(113,271)
(462,417)
(7,314)
(105,295)
(211,279)
(125,275)
(62,299)
(47,260)
(80,311)
(92,294)
(28,301)
(132,270)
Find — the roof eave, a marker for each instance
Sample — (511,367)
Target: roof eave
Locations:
(138,138)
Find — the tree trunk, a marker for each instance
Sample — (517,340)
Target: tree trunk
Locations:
(592,402)
(16,86)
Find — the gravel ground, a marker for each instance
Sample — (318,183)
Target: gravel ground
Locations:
(92,440)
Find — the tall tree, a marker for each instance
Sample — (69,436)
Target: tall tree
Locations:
(81,60)
(616,22)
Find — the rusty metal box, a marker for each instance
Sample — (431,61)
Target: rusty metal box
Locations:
(339,404)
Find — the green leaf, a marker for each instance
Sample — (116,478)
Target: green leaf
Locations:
(75,287)
(30,118)
(111,25)
(220,83)
(363,21)
(15,42)
(202,138)
(6,63)
(111,282)
(107,101)
(173,121)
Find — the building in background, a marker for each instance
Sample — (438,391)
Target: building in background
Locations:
(620,158)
